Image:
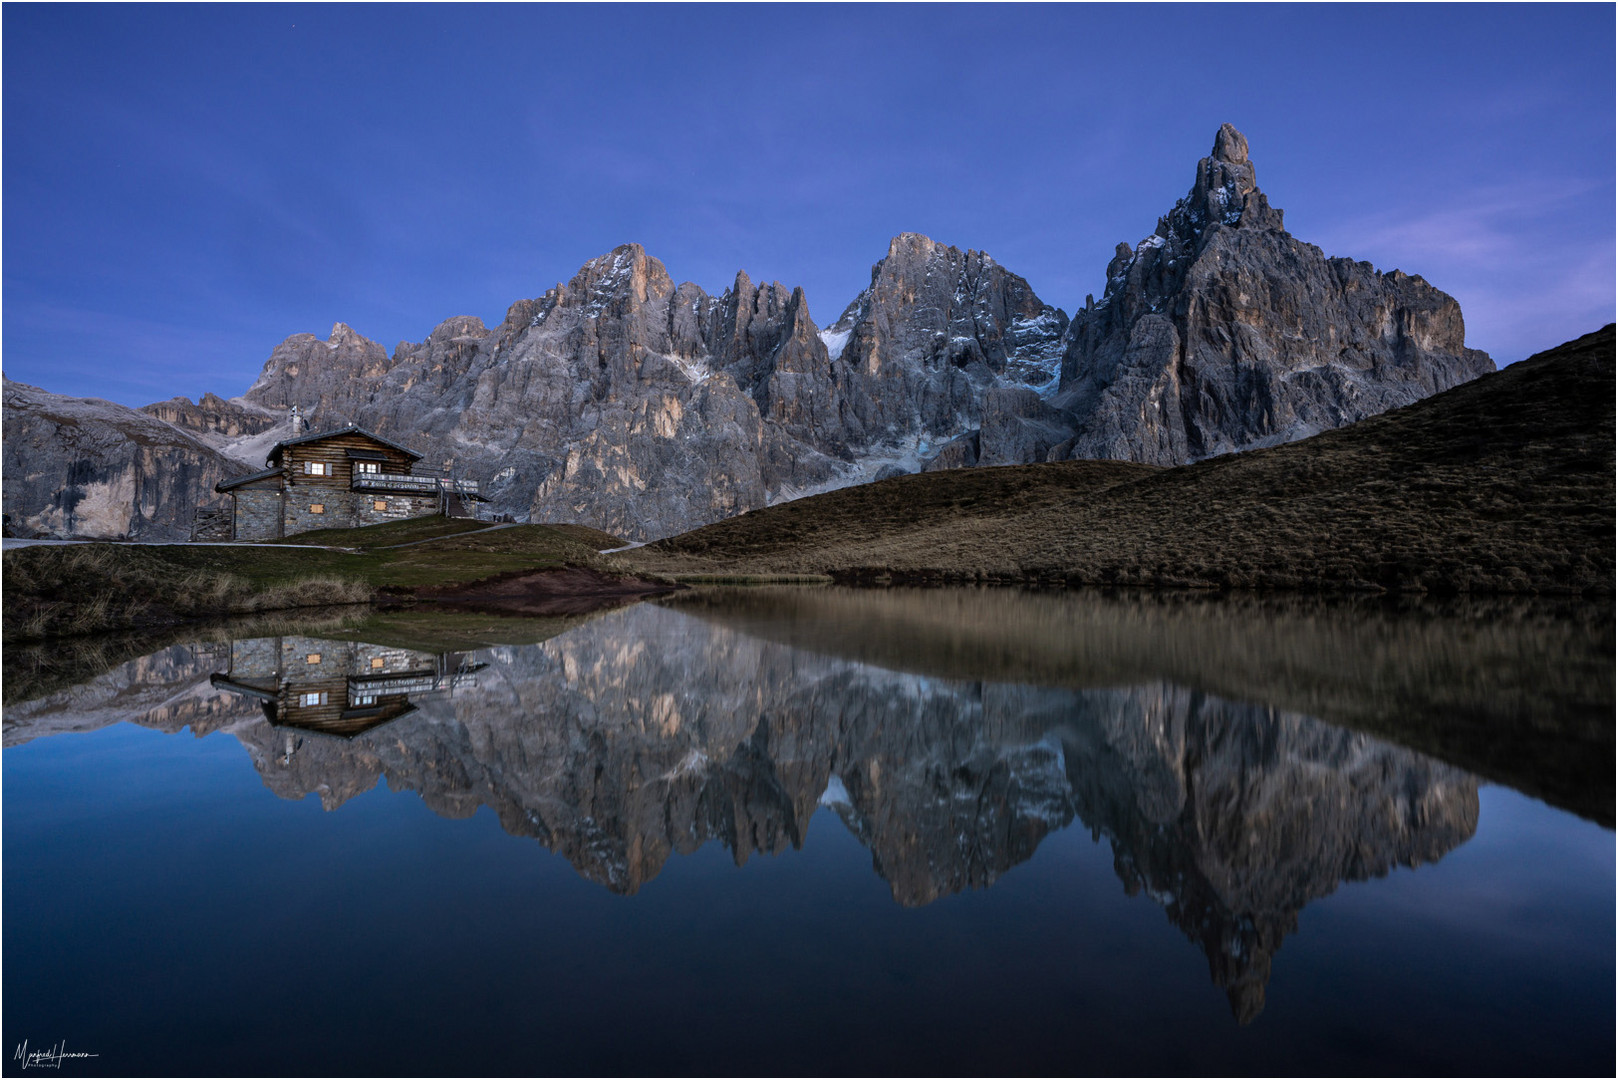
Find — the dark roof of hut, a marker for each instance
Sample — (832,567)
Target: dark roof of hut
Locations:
(351,429)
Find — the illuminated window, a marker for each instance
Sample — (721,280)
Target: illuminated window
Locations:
(314,658)
(365,699)
(376,661)
(368,466)
(317,508)
(380,504)
(317,468)
(312,699)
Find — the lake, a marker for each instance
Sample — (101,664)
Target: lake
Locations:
(825,831)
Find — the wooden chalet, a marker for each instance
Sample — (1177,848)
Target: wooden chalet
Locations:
(339,479)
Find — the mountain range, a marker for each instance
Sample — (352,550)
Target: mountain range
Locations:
(645,408)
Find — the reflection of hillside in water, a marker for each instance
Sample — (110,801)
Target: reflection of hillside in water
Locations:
(647,732)
(1517,689)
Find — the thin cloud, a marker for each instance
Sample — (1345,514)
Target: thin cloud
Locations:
(1488,248)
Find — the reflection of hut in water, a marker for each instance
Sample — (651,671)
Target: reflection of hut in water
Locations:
(339,688)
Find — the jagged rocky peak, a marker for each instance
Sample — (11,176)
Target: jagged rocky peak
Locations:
(437,363)
(625,271)
(456,337)
(919,351)
(600,278)
(455,330)
(1226,189)
(1230,146)
(1225,194)
(1221,332)
(754,330)
(602,400)
(343,335)
(929,304)
(617,283)
(334,378)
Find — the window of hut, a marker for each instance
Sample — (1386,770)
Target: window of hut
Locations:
(317,468)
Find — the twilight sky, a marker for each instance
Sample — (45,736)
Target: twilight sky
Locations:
(184,186)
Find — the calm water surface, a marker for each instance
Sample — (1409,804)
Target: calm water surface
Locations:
(826,831)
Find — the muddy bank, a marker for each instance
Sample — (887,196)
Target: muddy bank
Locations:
(571,591)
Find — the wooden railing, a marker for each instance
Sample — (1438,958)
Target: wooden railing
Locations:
(428,482)
(419,683)
(450,672)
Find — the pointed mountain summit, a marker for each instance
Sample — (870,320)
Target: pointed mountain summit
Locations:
(932,307)
(930,346)
(1221,331)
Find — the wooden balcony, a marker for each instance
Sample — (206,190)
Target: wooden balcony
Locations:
(427,483)
(410,683)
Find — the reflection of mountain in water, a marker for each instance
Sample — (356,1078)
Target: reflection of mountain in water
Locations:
(1234,817)
(647,732)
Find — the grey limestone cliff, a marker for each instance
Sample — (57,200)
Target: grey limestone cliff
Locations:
(936,338)
(1221,331)
(212,417)
(87,467)
(642,407)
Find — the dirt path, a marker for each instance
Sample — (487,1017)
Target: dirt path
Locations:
(13,543)
(446,536)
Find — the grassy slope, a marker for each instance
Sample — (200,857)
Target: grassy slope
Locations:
(411,530)
(88,588)
(1504,484)
(595,538)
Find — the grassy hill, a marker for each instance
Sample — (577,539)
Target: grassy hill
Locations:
(1504,484)
(51,591)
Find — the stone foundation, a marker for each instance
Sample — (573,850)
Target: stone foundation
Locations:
(259,514)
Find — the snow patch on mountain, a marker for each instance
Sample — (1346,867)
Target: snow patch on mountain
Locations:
(906,456)
(253,450)
(835,340)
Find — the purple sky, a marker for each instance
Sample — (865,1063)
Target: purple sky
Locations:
(185,186)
